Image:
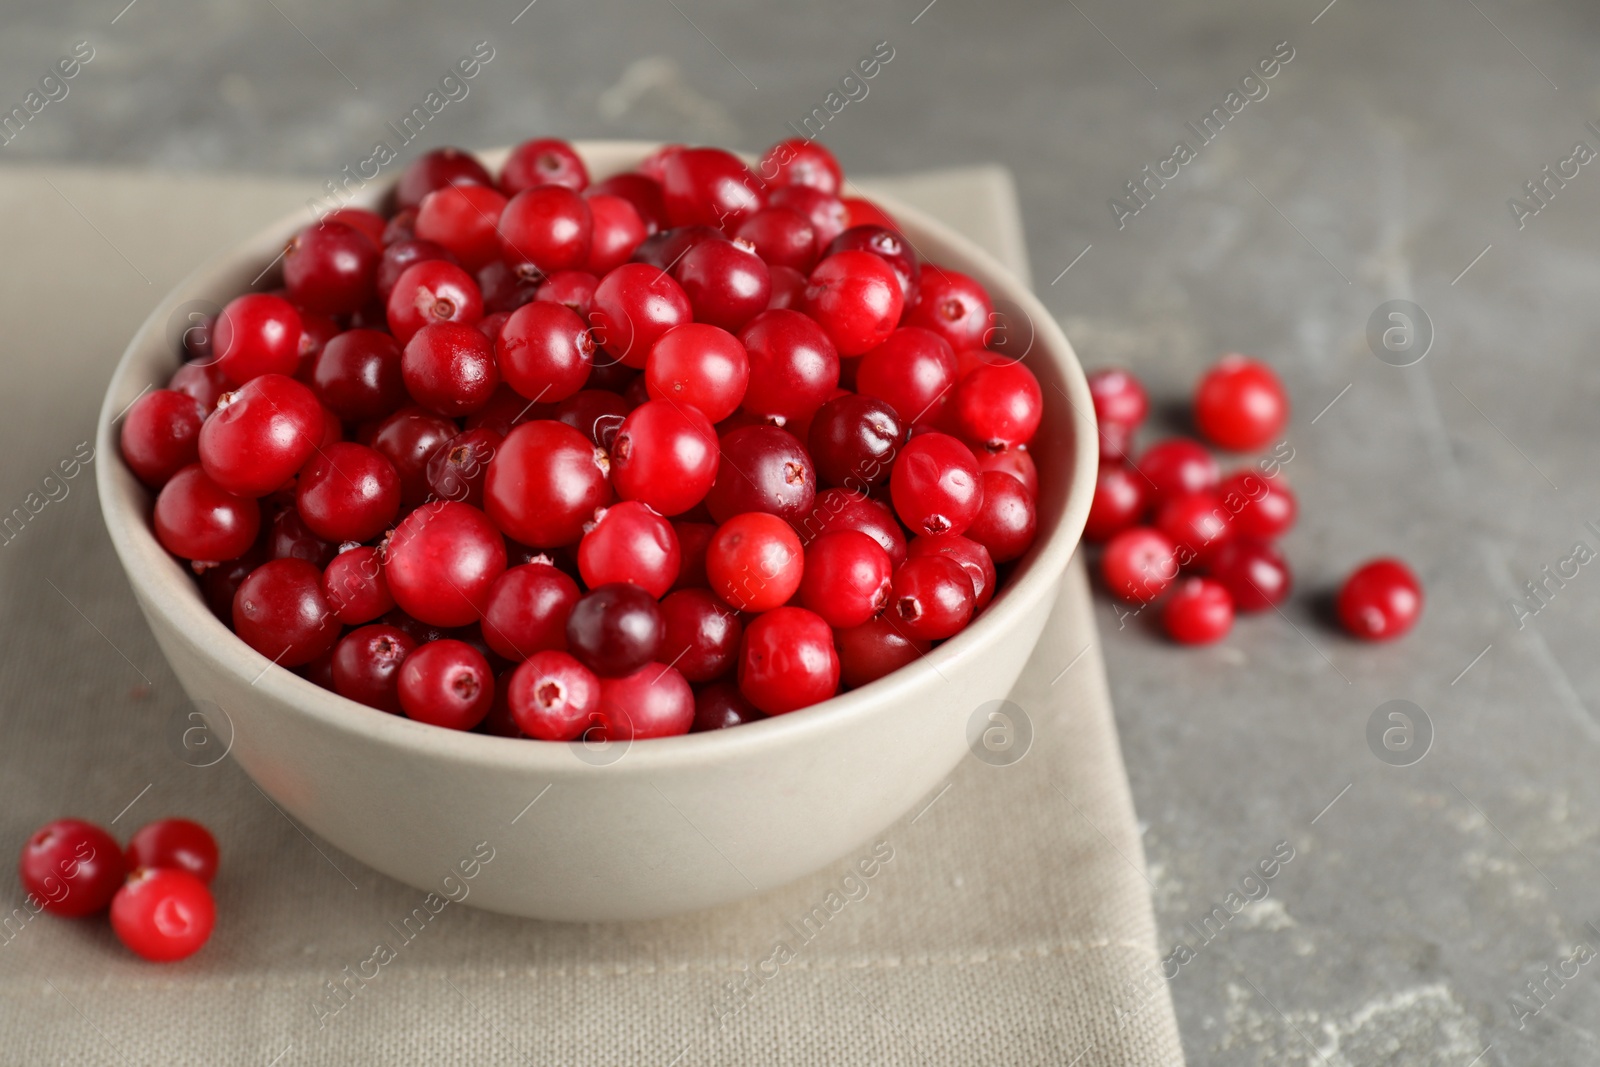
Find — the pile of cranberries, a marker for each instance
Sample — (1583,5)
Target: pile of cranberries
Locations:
(682,448)
(158,888)
(1169,519)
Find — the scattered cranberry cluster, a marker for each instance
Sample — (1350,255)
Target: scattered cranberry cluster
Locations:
(674,450)
(161,906)
(1171,518)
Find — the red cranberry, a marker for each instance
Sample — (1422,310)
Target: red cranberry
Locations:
(826,213)
(163,915)
(402,226)
(357,375)
(440,562)
(1254,572)
(700,636)
(794,366)
(462,218)
(1176,466)
(290,538)
(369,223)
(1118,398)
(633,306)
(932,597)
(1139,563)
(203,381)
(708,187)
(666,249)
(653,701)
(543,161)
(596,413)
(802,161)
(642,192)
(161,435)
(874,649)
(846,578)
(258,439)
(754,561)
(458,470)
(366,666)
(71,868)
(721,705)
(546,228)
(618,230)
(973,557)
(887,244)
(527,610)
(666,456)
(553,697)
(545,483)
(432,291)
(545,351)
(281,613)
(435,170)
(953,306)
(398,256)
(1240,404)
(861,212)
(450,368)
(1016,462)
(998,406)
(854,440)
(571,288)
(1380,600)
(354,586)
(856,298)
(845,509)
(446,683)
(1199,612)
(700,365)
(914,372)
(788,661)
(408,439)
(615,629)
(1121,497)
(781,237)
(629,542)
(220,580)
(257,334)
(1006,520)
(331,268)
(727,284)
(763,469)
(1264,508)
(935,485)
(348,493)
(504,290)
(178,844)
(1197,520)
(788,290)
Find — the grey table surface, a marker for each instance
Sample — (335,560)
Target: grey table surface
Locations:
(1379,165)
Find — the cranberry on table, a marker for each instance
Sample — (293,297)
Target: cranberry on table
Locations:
(1254,572)
(543,161)
(708,187)
(354,586)
(462,219)
(257,334)
(721,705)
(633,306)
(845,509)
(1199,612)
(665,455)
(935,485)
(446,683)
(846,578)
(432,291)
(450,368)
(408,439)
(618,230)
(726,282)
(545,482)
(630,542)
(1006,520)
(998,406)
(1118,397)
(553,697)
(1264,508)
(874,649)
(787,661)
(856,298)
(1240,404)
(161,435)
(914,371)
(197,519)
(700,365)
(932,597)
(348,492)
(652,701)
(1380,600)
(163,914)
(543,229)
(615,629)
(1139,564)
(794,366)
(435,170)
(357,375)
(887,244)
(331,268)
(180,844)
(754,561)
(802,161)
(71,867)
(280,612)
(366,665)
(854,440)
(701,634)
(781,237)
(762,468)
(952,305)
(1016,462)
(457,471)
(1200,521)
(1178,465)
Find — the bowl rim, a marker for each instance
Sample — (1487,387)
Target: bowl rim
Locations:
(163,588)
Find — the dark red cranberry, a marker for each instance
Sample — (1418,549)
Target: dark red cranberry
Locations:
(664,250)
(527,610)
(854,440)
(1263,508)
(794,366)
(1254,572)
(176,844)
(504,289)
(572,288)
(280,612)
(450,368)
(788,290)
(642,192)
(435,170)
(700,636)
(721,705)
(874,649)
(71,867)
(289,537)
(331,268)
(596,413)
(826,213)
(726,282)
(354,585)
(203,381)
(366,666)
(161,435)
(693,540)
(763,468)
(973,557)
(781,237)
(408,439)
(1016,462)
(348,492)
(615,629)
(708,187)
(457,470)
(357,375)
(441,561)
(220,581)
(543,161)
(545,482)
(932,597)
(1006,521)
(845,509)
(788,661)
(367,222)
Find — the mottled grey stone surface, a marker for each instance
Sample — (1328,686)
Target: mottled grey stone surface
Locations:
(1378,166)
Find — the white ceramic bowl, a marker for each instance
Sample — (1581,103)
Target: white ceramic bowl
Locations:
(663,826)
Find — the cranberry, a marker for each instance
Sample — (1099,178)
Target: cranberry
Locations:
(1380,600)
(450,368)
(280,612)
(763,469)
(553,697)
(71,868)
(914,371)
(432,291)
(708,187)
(1121,497)
(504,290)
(596,413)
(161,435)
(665,455)
(545,483)
(369,223)
(1264,508)
(1240,404)
(163,915)
(1199,612)
(615,629)
(754,561)
(664,250)
(1254,572)
(178,844)
(1006,520)
(366,666)
(543,161)
(435,170)
(331,268)
(845,509)
(727,283)
(701,365)
(856,298)
(546,228)
(854,440)
(196,519)
(462,218)
(441,561)
(545,351)
(826,212)
(802,161)
(203,381)
(354,586)
(458,470)
(446,683)
(1139,563)
(935,485)
(527,610)
(618,230)
(932,597)
(794,366)
(633,306)
(408,439)
(788,290)
(1118,398)
(402,226)
(887,244)
(873,649)
(953,306)
(289,537)
(1178,465)
(781,237)
(220,580)
(1016,462)
(721,705)
(788,661)
(861,212)
(642,192)
(348,493)
(630,542)
(700,636)
(357,375)
(998,406)
(257,334)
(846,578)
(500,722)
(1199,521)
(653,701)
(572,288)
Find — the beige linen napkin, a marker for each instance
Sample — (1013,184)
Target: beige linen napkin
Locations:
(1008,922)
